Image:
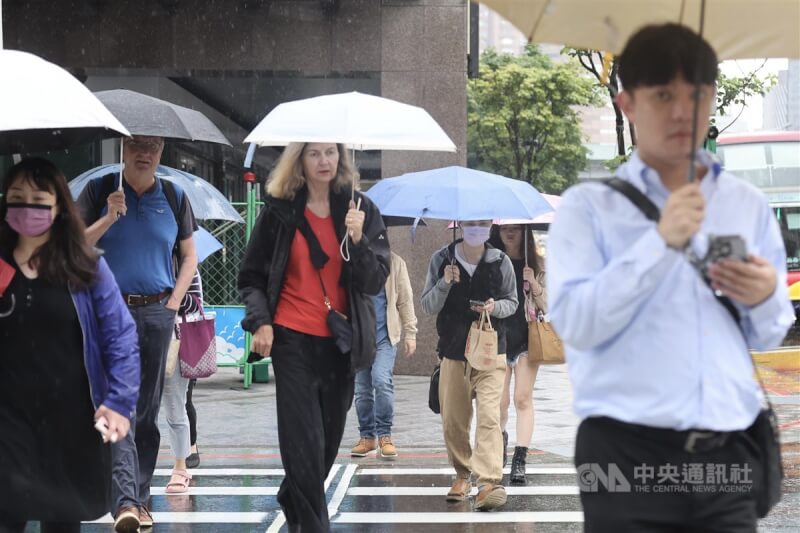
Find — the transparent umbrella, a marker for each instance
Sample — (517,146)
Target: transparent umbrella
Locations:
(206,201)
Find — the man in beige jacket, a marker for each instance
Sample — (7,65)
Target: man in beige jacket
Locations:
(374,394)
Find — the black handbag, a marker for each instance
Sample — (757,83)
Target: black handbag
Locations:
(763,432)
(338,323)
(433,392)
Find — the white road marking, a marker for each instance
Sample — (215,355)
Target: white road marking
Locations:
(459,518)
(539,490)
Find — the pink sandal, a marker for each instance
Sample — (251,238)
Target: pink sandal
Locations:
(179,482)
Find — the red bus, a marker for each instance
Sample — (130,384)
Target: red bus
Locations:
(771,161)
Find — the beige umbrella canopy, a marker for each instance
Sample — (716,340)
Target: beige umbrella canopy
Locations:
(737,29)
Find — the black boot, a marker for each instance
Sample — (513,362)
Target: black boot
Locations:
(505,449)
(518,465)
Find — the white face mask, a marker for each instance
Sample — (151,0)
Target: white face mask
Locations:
(475,235)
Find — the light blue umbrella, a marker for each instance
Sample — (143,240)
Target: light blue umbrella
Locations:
(457,193)
(206,201)
(205,244)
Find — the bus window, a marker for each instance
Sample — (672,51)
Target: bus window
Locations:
(748,161)
(790,230)
(786,164)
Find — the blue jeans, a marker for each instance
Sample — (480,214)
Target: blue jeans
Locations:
(134,457)
(375,393)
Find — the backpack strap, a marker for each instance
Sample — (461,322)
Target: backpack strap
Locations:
(171,193)
(103,187)
(651,211)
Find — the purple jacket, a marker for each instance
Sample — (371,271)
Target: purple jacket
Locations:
(110,343)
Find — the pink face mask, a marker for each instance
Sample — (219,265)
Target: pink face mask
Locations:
(30,220)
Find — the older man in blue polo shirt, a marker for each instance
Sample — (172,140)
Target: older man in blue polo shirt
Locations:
(137,229)
(660,369)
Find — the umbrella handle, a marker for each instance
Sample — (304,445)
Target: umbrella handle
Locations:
(344,247)
(525,241)
(121,167)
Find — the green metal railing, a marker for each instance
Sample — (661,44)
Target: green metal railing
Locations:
(220,272)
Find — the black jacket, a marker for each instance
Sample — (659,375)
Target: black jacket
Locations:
(264,265)
(493,278)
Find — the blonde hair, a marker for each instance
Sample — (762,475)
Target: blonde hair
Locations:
(287,176)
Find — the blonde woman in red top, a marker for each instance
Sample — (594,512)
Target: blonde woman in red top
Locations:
(309,219)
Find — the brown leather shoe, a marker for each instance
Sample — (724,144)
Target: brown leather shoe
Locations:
(145,517)
(460,490)
(127,520)
(490,497)
(364,446)
(388,450)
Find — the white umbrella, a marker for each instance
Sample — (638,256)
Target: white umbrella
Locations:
(737,29)
(43,107)
(360,121)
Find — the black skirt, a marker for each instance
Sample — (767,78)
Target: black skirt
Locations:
(53,463)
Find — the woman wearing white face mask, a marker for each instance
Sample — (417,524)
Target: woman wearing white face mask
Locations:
(460,275)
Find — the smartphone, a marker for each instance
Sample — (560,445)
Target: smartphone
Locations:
(476,303)
(725,247)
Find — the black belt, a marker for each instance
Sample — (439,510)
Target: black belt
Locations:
(690,440)
(135,300)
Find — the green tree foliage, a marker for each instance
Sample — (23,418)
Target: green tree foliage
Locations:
(732,92)
(522,122)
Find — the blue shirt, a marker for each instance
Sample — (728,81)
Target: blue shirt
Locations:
(138,246)
(380,303)
(647,342)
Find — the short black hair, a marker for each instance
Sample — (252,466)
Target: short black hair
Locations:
(656,54)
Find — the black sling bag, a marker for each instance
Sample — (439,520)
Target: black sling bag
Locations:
(763,433)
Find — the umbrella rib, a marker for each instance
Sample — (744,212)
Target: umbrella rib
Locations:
(538,19)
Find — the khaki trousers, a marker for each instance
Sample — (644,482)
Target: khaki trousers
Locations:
(458,384)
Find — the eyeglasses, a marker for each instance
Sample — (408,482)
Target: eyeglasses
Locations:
(144,146)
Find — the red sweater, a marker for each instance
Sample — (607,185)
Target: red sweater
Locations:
(301,306)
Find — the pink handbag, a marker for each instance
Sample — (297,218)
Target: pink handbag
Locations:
(198,351)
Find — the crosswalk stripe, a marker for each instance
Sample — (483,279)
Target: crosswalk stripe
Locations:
(459,518)
(225,471)
(341,489)
(198,518)
(219,491)
(541,490)
(543,470)
(280,518)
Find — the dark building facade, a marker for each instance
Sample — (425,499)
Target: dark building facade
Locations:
(235,60)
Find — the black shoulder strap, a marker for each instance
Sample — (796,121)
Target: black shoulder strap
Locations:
(318,255)
(651,211)
(645,205)
(172,198)
(103,188)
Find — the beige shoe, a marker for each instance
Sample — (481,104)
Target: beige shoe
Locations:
(364,446)
(460,490)
(490,497)
(388,450)
(127,520)
(145,517)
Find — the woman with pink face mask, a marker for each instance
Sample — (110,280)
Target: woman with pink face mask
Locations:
(69,363)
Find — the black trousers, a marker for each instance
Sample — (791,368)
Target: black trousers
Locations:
(314,390)
(191,412)
(44,527)
(682,493)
